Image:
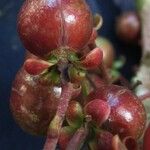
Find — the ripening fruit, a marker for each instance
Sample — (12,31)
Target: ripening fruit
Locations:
(99,111)
(127,117)
(104,141)
(74,114)
(66,134)
(47,25)
(36,66)
(93,59)
(128,27)
(130,143)
(33,105)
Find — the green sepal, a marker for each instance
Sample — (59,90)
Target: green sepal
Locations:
(53,59)
(85,88)
(75,74)
(51,77)
(72,57)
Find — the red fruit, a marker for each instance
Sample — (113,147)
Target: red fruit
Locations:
(36,66)
(33,105)
(146,142)
(99,111)
(130,143)
(104,140)
(128,26)
(93,59)
(65,136)
(74,114)
(127,117)
(46,25)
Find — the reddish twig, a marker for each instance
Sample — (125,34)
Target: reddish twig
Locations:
(104,73)
(78,139)
(56,123)
(124,82)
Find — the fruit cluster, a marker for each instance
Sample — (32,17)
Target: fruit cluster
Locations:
(62,90)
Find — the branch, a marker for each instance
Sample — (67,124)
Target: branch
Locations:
(56,123)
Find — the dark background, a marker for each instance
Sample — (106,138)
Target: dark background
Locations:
(12,56)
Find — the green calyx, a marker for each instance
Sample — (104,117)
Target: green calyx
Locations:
(76,74)
(85,88)
(53,59)
(74,114)
(51,77)
(72,57)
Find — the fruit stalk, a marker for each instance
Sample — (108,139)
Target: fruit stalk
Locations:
(144,96)
(56,123)
(104,73)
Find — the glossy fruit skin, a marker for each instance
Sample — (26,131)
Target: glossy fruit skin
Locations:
(104,141)
(32,104)
(93,59)
(99,111)
(130,143)
(46,25)
(146,139)
(128,26)
(35,66)
(127,117)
